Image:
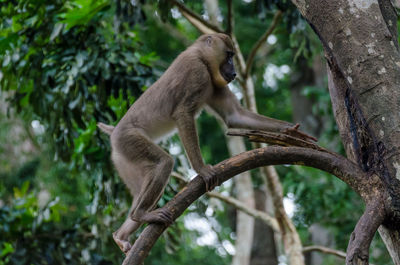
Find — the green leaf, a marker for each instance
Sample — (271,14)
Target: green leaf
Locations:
(6,42)
(56,31)
(7,249)
(19,193)
(82,12)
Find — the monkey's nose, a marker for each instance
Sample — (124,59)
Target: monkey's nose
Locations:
(234,75)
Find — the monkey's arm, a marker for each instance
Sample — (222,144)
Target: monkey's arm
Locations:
(188,134)
(234,115)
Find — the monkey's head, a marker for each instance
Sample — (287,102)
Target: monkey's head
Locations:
(218,52)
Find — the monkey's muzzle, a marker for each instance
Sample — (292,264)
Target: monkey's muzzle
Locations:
(229,77)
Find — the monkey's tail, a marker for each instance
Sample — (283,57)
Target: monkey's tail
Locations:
(108,129)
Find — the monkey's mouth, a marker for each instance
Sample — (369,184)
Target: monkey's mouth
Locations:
(228,77)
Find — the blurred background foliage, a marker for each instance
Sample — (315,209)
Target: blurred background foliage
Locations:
(64,65)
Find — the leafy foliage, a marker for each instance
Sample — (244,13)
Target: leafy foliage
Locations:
(66,59)
(31,233)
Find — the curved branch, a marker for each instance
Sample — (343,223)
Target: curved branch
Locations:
(196,20)
(325,250)
(360,239)
(272,155)
(261,41)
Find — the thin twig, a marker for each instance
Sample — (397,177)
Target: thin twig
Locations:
(338,253)
(179,177)
(197,21)
(261,41)
(168,27)
(266,218)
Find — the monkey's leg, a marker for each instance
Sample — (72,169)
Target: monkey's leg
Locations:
(128,173)
(145,168)
(142,206)
(121,236)
(158,168)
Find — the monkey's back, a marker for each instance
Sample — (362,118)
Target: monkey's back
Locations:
(184,87)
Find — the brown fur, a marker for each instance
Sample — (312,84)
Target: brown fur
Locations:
(193,81)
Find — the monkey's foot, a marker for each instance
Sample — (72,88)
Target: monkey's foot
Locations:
(123,244)
(160,216)
(208,173)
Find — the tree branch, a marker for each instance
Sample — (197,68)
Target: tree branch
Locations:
(360,239)
(272,155)
(197,21)
(266,218)
(261,41)
(275,139)
(168,27)
(326,250)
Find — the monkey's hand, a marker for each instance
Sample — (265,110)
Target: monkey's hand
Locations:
(208,173)
(293,131)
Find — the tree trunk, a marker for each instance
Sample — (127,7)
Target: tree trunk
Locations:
(361,48)
(302,77)
(244,222)
(320,236)
(264,248)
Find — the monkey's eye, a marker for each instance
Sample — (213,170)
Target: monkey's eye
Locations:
(230,54)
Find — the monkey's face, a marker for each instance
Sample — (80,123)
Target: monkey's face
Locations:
(227,68)
(218,52)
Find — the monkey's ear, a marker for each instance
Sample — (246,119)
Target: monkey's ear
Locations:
(209,40)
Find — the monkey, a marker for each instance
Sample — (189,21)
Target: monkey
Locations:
(197,78)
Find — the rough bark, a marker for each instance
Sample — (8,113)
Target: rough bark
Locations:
(360,43)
